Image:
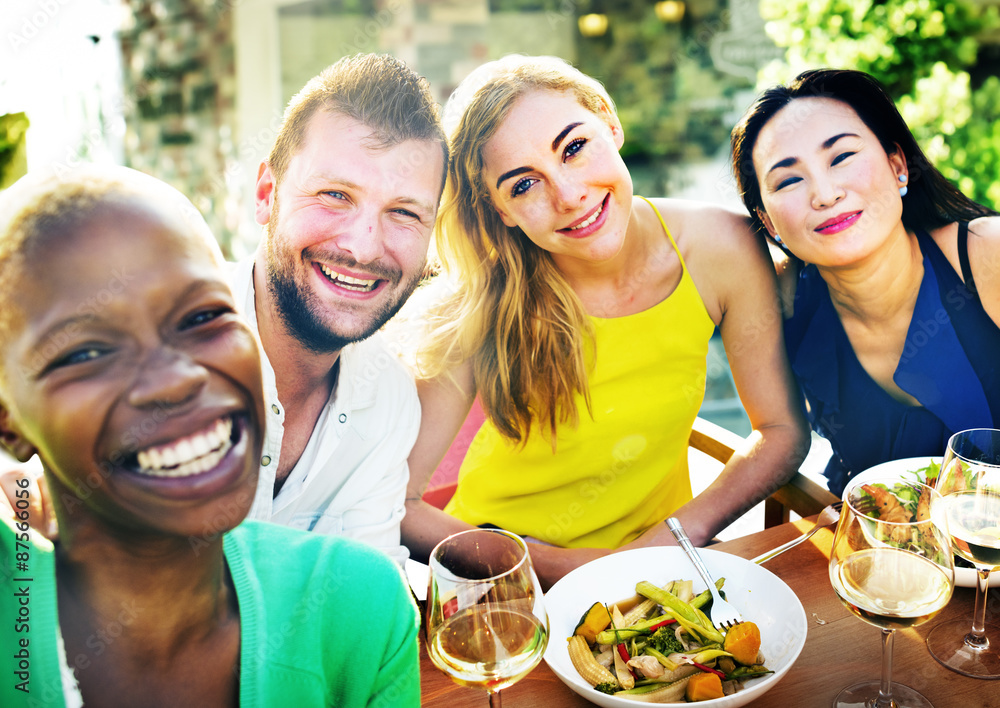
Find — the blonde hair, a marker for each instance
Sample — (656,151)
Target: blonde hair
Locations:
(512,312)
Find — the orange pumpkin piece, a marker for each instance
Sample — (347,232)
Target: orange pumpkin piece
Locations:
(743,642)
(704,687)
(594,620)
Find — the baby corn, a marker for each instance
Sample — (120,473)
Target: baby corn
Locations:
(584,661)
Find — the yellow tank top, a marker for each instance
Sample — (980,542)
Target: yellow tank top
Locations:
(622,470)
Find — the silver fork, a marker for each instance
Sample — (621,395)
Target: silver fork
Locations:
(829,516)
(722,614)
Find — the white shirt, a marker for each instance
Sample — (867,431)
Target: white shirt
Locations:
(351,478)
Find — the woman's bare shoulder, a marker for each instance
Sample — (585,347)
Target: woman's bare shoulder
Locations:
(727,260)
(986,227)
(984,243)
(717,228)
(985,255)
(704,212)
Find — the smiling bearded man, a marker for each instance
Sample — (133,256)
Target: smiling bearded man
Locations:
(357,168)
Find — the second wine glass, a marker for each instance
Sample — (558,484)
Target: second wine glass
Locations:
(969,482)
(892,566)
(486,623)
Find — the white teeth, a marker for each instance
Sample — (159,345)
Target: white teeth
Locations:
(348,281)
(589,221)
(191,455)
(200,445)
(194,467)
(185,451)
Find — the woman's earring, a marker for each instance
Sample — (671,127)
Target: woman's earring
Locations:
(903,190)
(777,239)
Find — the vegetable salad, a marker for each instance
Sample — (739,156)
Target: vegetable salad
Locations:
(664,649)
(903,502)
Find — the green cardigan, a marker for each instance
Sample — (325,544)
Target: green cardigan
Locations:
(325,621)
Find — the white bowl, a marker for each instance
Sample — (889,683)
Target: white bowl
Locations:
(964,577)
(756,592)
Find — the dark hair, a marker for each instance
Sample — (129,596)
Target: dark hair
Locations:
(932,201)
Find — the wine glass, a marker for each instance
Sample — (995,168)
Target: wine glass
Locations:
(892,566)
(486,624)
(969,483)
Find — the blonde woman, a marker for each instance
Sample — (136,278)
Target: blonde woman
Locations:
(581,319)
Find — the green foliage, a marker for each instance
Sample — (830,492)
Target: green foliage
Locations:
(532,5)
(13,127)
(972,160)
(895,40)
(919,50)
(659,75)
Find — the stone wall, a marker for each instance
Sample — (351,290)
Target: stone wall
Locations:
(442,39)
(180,79)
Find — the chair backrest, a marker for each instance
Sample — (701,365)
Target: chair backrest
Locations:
(800,494)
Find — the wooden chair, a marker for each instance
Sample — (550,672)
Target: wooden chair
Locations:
(800,494)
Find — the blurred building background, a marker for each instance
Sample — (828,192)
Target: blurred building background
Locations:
(193,90)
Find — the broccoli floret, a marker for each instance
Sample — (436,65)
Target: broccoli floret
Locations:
(665,641)
(609,687)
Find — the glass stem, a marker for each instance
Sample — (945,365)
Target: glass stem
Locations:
(495,699)
(976,639)
(885,688)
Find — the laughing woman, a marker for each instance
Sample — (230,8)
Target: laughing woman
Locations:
(125,367)
(581,320)
(889,274)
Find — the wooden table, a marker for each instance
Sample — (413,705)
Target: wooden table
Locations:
(840,649)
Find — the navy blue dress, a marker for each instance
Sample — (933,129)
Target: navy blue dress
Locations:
(950,364)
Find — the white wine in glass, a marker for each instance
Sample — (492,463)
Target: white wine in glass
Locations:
(969,483)
(892,566)
(486,622)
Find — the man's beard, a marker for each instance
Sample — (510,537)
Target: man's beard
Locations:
(301,310)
